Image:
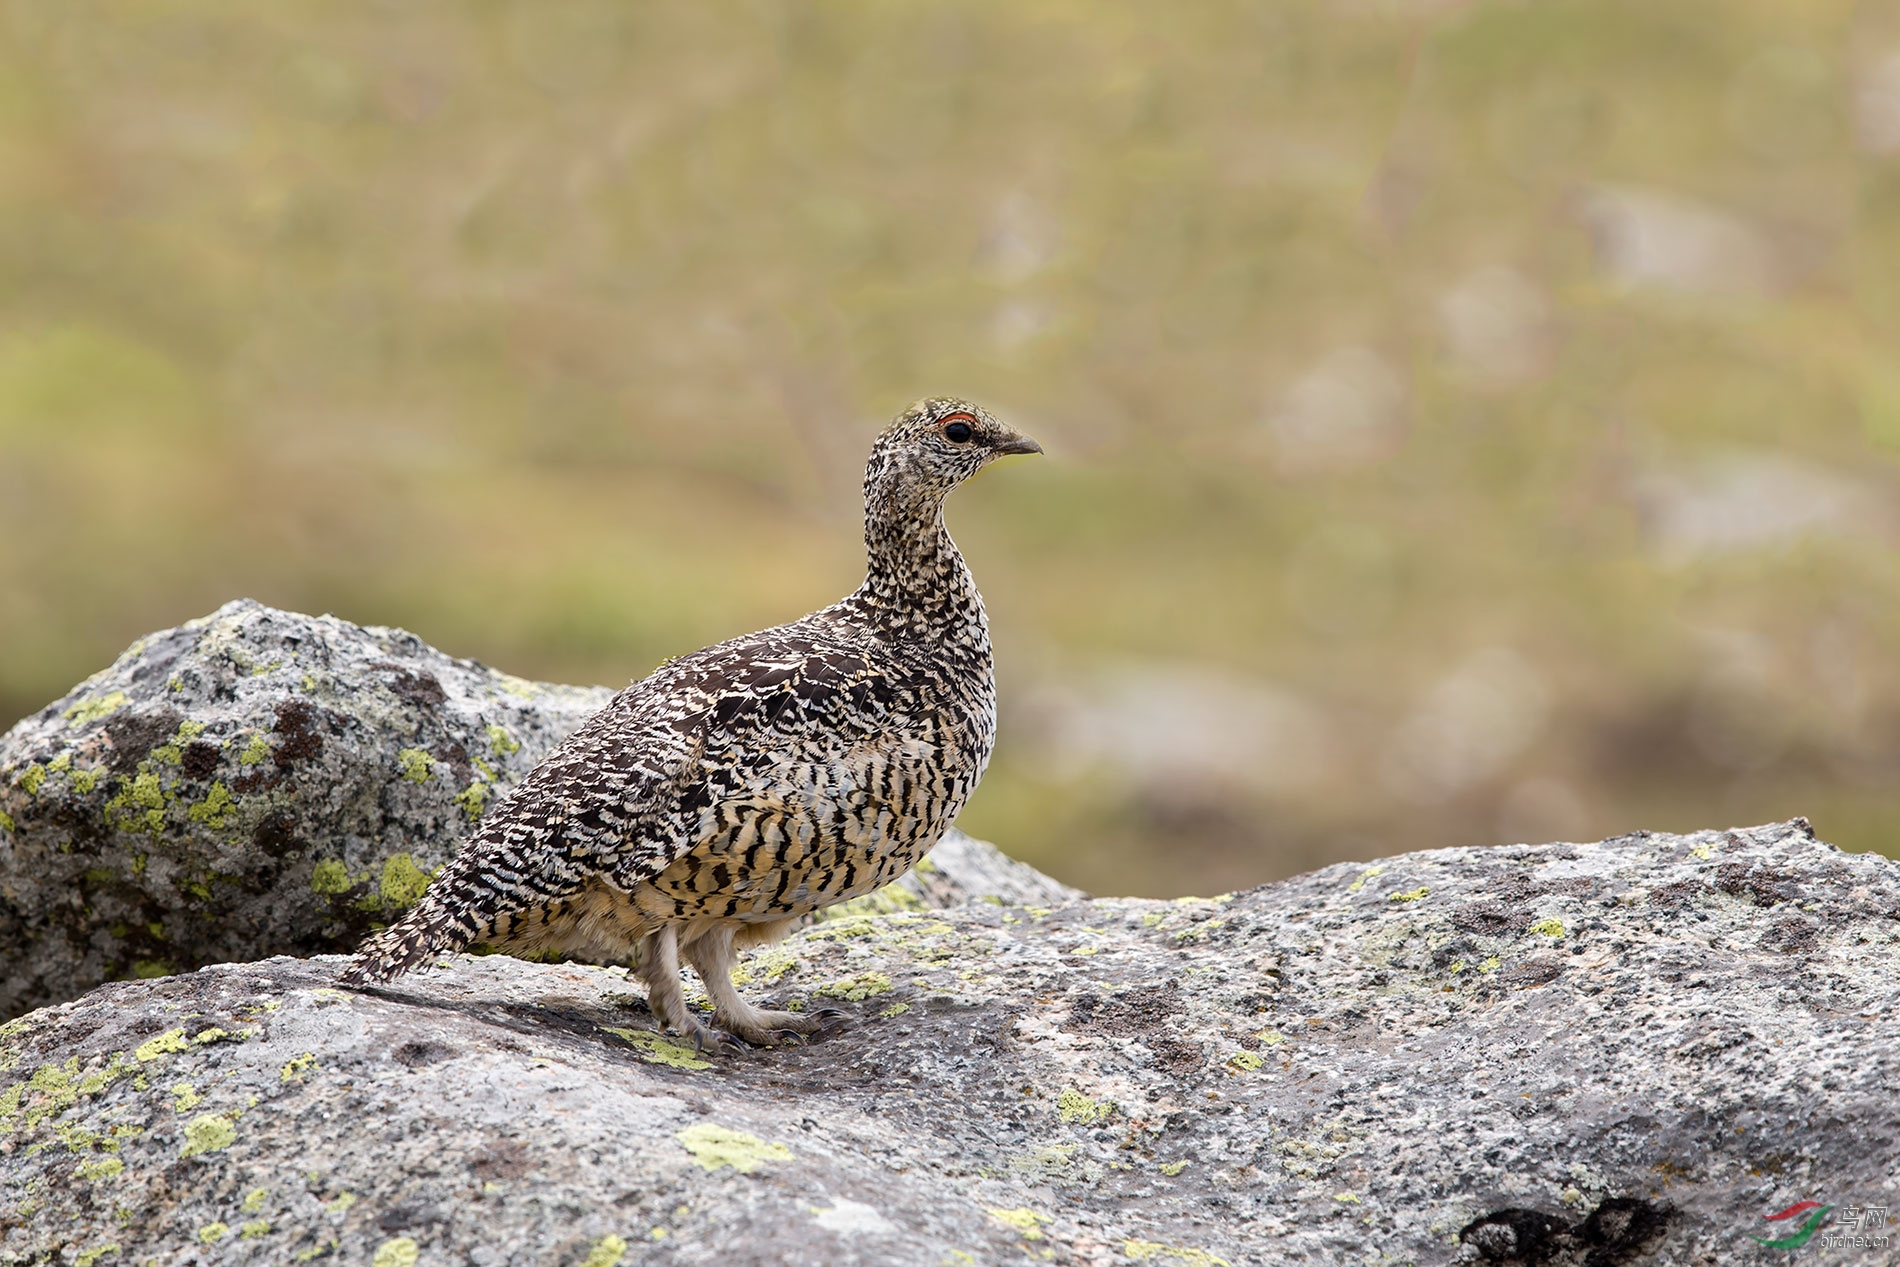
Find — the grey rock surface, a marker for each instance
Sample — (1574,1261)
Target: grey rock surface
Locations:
(262,782)
(1625,1052)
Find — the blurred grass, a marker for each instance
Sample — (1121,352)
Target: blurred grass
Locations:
(1454,374)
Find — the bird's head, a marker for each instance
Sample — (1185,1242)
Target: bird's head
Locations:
(932,447)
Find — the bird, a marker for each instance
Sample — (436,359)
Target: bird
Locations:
(711,806)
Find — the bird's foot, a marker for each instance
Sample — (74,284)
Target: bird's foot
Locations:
(789,1028)
(707,1039)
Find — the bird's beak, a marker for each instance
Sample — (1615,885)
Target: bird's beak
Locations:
(1016,444)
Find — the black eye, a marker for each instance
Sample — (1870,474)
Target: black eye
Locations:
(957,433)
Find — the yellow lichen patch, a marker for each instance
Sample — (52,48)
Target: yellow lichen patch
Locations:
(330,877)
(100,1168)
(1245,1060)
(342,1202)
(88,1257)
(855,989)
(403,881)
(1410,895)
(895,1009)
(400,1251)
(170,1040)
(216,809)
(500,743)
(1025,1220)
(1074,1107)
(1552,927)
(716,1146)
(840,929)
(657,1049)
(608,1251)
(186,1097)
(256,750)
(297,1067)
(254,1229)
(212,1233)
(93,709)
(1173,1168)
(1155,1251)
(766,966)
(254,1200)
(1368,874)
(413,765)
(892,899)
(207,1133)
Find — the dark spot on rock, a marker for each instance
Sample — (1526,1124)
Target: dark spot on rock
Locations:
(1764,886)
(1453,951)
(256,779)
(420,1052)
(297,730)
(1489,919)
(1790,934)
(1619,1229)
(402,1218)
(1533,972)
(1515,1235)
(502,1160)
(1674,896)
(199,760)
(276,834)
(134,735)
(419,689)
(455,756)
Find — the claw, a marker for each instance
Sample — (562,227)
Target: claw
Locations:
(788,1038)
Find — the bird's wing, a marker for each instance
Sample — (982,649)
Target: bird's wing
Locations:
(637,785)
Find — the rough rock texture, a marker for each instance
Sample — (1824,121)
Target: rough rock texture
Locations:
(1623,1052)
(262,782)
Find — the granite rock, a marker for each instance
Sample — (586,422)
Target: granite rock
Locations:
(1624,1052)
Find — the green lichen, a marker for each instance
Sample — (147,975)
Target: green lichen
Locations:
(403,881)
(855,989)
(330,877)
(1245,1060)
(1155,1251)
(609,1249)
(212,1233)
(1271,1037)
(515,686)
(342,1202)
(1368,874)
(89,710)
(84,781)
(187,1097)
(474,799)
(895,1009)
(716,1146)
(139,805)
(216,809)
(207,1133)
(254,1200)
(298,1067)
(148,969)
(91,1256)
(1552,927)
(843,929)
(500,742)
(766,966)
(31,778)
(1025,1220)
(657,1049)
(254,1229)
(256,751)
(414,763)
(100,1168)
(1198,932)
(6,821)
(1173,1168)
(1412,895)
(170,1040)
(892,899)
(1074,1107)
(398,1252)
(1490,965)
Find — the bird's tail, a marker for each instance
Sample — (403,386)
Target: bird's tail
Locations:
(443,922)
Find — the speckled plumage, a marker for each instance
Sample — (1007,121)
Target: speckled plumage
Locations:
(738,788)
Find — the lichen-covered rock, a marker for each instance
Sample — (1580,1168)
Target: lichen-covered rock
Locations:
(1626,1052)
(262,782)
(253,783)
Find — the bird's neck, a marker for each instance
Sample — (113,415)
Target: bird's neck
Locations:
(916,581)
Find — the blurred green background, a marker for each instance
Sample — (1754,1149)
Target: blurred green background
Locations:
(1466,422)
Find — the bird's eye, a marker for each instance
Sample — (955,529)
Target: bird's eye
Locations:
(957,433)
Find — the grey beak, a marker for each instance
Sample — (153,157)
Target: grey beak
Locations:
(1020,444)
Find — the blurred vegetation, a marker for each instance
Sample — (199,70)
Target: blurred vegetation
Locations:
(1467,422)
